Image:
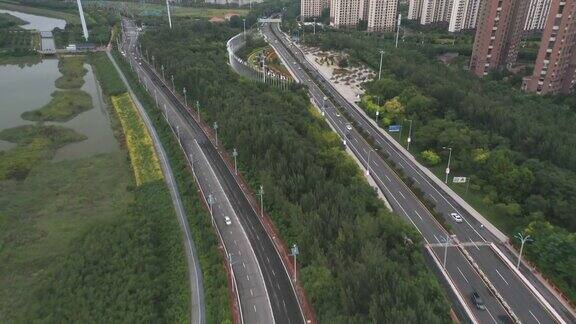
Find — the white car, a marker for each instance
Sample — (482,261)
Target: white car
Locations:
(457,218)
(227,220)
(349,126)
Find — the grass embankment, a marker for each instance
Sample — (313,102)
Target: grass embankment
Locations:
(15,42)
(211,261)
(142,154)
(35,144)
(111,84)
(64,106)
(73,72)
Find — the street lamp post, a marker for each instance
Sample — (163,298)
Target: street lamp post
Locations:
(448,165)
(185,99)
(235,155)
(172,77)
(409,139)
(523,239)
(216,132)
(261,194)
(211,202)
(162,68)
(380,70)
(324,105)
(448,241)
(244,22)
(314,26)
(368,166)
(198,108)
(153,63)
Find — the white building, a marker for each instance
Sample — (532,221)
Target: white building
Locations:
(345,13)
(415,9)
(537,14)
(464,15)
(312,8)
(382,15)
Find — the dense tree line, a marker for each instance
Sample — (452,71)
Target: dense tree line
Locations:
(357,264)
(519,149)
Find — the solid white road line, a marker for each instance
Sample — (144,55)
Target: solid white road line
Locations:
(417,214)
(529,311)
(498,272)
(463,276)
(401,194)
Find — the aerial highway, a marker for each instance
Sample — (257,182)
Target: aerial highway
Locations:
(261,282)
(475,261)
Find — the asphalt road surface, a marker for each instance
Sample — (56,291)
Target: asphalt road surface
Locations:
(264,288)
(404,202)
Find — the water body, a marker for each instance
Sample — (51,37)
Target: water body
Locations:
(35,22)
(30,87)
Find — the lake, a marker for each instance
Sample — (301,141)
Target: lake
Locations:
(37,22)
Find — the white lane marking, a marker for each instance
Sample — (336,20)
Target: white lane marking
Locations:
(248,277)
(239,253)
(489,313)
(251,292)
(463,276)
(278,285)
(401,194)
(434,198)
(244,264)
(258,237)
(416,180)
(529,311)
(254,308)
(436,238)
(273,273)
(417,214)
(268,259)
(498,272)
(474,243)
(235,243)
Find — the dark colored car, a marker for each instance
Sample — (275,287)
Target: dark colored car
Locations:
(478,301)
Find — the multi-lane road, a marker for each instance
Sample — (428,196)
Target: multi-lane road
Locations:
(261,282)
(470,237)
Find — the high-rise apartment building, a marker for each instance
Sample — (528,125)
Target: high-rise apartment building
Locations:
(555,68)
(498,35)
(382,15)
(435,11)
(312,8)
(537,14)
(345,13)
(415,9)
(464,15)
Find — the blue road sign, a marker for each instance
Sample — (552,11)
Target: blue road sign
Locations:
(394,128)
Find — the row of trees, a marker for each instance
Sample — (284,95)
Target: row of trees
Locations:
(357,264)
(519,149)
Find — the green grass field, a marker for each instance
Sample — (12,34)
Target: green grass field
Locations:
(42,214)
(64,106)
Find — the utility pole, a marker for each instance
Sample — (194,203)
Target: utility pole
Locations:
(409,139)
(172,77)
(448,165)
(244,22)
(523,239)
(398,28)
(198,108)
(211,202)
(324,105)
(235,154)
(169,17)
(380,70)
(162,68)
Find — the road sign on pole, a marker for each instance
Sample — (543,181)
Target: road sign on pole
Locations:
(394,128)
(460,180)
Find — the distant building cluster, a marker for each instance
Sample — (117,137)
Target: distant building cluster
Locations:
(380,15)
(463,14)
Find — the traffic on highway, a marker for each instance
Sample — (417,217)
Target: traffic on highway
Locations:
(471,254)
